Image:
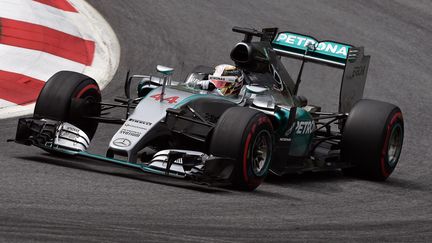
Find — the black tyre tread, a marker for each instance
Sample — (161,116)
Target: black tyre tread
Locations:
(229,128)
(228,141)
(364,136)
(54,101)
(55,90)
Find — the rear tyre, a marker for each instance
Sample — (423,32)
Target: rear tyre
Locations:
(245,135)
(70,97)
(372,139)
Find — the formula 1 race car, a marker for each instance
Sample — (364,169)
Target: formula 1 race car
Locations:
(197,130)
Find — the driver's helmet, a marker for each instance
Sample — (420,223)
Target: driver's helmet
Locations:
(227,79)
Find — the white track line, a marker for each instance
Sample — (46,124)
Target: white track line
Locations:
(16,110)
(5,103)
(35,64)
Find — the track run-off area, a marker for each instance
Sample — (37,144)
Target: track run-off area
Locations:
(46,198)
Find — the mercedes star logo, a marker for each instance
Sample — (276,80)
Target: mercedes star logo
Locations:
(122,142)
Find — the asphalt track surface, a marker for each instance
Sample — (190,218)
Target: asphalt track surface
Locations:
(44,198)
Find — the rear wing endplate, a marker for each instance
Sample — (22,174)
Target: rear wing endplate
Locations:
(339,55)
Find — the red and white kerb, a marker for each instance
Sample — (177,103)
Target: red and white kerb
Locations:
(41,37)
(36,40)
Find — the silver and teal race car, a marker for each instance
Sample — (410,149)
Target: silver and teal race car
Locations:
(187,131)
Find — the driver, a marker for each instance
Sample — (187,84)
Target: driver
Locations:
(226,80)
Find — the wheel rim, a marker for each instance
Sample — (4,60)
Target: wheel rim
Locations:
(261,152)
(395,145)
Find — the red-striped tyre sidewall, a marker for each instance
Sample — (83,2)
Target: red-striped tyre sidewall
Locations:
(386,166)
(234,137)
(250,179)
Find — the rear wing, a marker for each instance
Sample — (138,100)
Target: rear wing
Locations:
(335,54)
(302,46)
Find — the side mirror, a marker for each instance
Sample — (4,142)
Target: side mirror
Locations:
(255,89)
(164,70)
(167,72)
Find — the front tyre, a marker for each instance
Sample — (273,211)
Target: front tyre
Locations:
(372,139)
(245,135)
(70,97)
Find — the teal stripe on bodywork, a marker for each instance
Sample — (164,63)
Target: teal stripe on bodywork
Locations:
(112,160)
(300,143)
(125,163)
(142,167)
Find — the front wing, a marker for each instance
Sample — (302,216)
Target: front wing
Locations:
(183,164)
